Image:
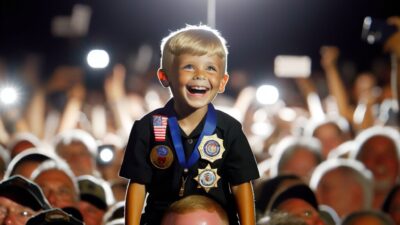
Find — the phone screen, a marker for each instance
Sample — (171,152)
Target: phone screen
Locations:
(376,30)
(292,66)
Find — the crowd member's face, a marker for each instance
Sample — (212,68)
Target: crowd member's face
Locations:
(91,214)
(367,220)
(301,163)
(380,156)
(329,136)
(301,209)
(341,191)
(197,217)
(12,213)
(394,208)
(58,188)
(78,158)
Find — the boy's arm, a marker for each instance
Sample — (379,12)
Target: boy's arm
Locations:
(245,203)
(134,203)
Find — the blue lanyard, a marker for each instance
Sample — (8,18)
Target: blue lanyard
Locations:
(209,128)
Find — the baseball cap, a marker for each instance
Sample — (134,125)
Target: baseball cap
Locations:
(93,190)
(53,217)
(24,192)
(298,191)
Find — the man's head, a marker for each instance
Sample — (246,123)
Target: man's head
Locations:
(96,196)
(79,149)
(193,65)
(25,162)
(336,178)
(298,156)
(195,210)
(54,217)
(367,217)
(58,183)
(378,148)
(300,201)
(20,199)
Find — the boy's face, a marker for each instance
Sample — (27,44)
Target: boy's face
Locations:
(195,80)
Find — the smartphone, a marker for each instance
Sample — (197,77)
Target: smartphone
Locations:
(292,66)
(376,31)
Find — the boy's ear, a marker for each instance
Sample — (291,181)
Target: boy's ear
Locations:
(162,77)
(222,83)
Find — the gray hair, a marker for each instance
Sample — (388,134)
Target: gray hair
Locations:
(362,175)
(59,165)
(288,145)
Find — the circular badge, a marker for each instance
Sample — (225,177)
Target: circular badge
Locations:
(161,156)
(211,148)
(207,178)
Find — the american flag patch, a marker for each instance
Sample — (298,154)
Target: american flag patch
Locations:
(160,127)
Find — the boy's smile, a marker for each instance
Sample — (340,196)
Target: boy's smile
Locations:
(195,80)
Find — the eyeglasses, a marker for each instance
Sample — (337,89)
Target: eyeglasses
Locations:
(20,214)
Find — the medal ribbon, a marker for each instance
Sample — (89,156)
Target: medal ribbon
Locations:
(209,128)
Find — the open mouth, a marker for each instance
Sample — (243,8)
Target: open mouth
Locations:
(197,89)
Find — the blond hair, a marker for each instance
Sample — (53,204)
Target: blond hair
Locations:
(194,203)
(195,40)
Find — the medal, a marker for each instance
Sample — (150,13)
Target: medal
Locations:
(161,156)
(208,129)
(211,148)
(207,178)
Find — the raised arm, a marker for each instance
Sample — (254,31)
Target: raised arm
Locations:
(115,93)
(329,57)
(392,45)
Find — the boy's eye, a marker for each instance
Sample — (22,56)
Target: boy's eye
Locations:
(211,68)
(188,67)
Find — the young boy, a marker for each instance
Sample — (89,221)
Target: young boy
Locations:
(188,147)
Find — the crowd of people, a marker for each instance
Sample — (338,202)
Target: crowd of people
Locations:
(331,161)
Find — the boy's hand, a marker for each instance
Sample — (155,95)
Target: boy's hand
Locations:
(393,42)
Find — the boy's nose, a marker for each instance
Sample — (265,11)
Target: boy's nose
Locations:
(199,76)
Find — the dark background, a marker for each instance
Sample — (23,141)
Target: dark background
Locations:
(256,30)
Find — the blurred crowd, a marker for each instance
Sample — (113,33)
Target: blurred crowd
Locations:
(323,159)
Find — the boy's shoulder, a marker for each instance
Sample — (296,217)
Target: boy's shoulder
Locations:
(227,120)
(149,116)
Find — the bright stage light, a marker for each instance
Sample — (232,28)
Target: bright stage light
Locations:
(267,94)
(106,154)
(9,95)
(98,59)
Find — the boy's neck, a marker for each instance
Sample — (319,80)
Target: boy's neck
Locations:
(189,119)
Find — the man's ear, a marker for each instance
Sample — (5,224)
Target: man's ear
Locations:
(162,77)
(222,83)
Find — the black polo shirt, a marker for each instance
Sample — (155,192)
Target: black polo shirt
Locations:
(237,165)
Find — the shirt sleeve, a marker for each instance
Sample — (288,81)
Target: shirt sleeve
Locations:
(240,164)
(135,165)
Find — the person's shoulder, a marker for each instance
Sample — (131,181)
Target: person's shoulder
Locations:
(226,121)
(149,116)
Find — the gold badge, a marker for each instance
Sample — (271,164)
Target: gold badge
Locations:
(211,148)
(207,178)
(161,156)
